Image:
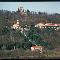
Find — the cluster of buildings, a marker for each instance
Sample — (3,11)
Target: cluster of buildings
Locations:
(24,12)
(16,25)
(40,25)
(48,25)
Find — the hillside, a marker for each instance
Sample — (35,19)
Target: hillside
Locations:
(10,37)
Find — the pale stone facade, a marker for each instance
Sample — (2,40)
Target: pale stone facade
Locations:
(40,48)
(16,26)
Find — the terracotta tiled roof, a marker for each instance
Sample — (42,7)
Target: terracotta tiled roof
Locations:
(58,24)
(36,46)
(48,24)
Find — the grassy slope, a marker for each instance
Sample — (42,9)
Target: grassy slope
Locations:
(24,54)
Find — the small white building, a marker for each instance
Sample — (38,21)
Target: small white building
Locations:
(40,25)
(34,48)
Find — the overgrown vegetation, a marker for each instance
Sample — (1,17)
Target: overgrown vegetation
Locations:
(10,38)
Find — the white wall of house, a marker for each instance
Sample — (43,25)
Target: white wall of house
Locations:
(40,48)
(16,26)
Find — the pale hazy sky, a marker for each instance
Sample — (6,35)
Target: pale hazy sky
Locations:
(49,7)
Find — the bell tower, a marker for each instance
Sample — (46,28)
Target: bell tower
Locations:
(21,9)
